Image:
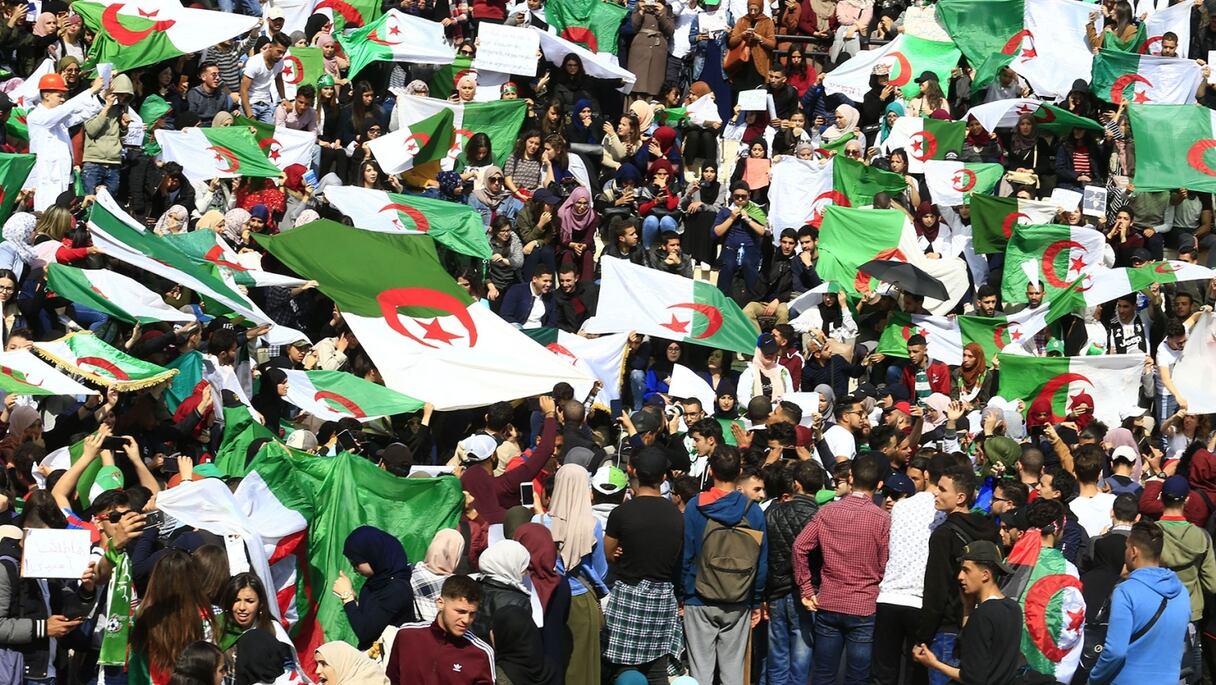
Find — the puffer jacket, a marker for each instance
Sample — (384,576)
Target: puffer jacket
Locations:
(785,520)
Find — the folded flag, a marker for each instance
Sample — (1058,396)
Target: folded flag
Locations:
(635,298)
(207,153)
(1168,134)
(1002,113)
(1056,120)
(600,357)
(907,56)
(121,297)
(858,182)
(85,355)
(335,395)
(415,144)
(129,36)
(455,226)
(950,182)
(282,146)
(993,219)
(397,37)
(14,169)
(22,373)
(208,249)
(1140,79)
(1112,382)
(591,24)
(500,120)
(1060,255)
(925,139)
(427,337)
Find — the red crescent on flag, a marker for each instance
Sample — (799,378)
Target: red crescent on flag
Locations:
(297,73)
(582,35)
(2,195)
(1194,156)
(348,12)
(395,298)
(862,280)
(1007,224)
(1048,262)
(420,221)
(819,204)
(457,134)
(1051,387)
(561,351)
(126,37)
(105,365)
(1146,47)
(1165,268)
(19,376)
(905,70)
(709,311)
(1121,84)
(968,184)
(345,404)
(421,138)
(225,155)
(930,145)
(1015,42)
(1038,598)
(906,332)
(265,143)
(216,256)
(998,335)
(392,24)
(1048,115)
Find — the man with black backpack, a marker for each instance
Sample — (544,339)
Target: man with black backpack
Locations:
(725,567)
(1187,550)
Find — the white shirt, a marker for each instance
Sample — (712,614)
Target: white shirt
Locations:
(841,443)
(912,522)
(1093,513)
(261,77)
(536,317)
(1166,358)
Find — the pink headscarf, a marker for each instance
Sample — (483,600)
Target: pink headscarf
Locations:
(571,222)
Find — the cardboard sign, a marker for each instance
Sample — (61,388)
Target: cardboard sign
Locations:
(51,553)
(753,100)
(506,49)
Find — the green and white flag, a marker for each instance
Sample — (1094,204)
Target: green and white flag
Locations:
(500,120)
(94,480)
(950,182)
(993,219)
(1111,381)
(208,249)
(207,153)
(945,337)
(335,395)
(282,146)
(1173,143)
(1141,79)
(1048,589)
(121,297)
(85,355)
(601,357)
(635,298)
(1103,285)
(14,169)
(857,183)
(907,56)
(348,14)
(414,144)
(301,67)
(397,37)
(427,337)
(925,139)
(455,226)
(22,373)
(443,81)
(130,36)
(1056,120)
(1058,255)
(592,24)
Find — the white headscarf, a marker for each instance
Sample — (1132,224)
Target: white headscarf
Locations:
(17,232)
(505,561)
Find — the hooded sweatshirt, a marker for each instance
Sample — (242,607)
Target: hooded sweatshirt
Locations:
(727,509)
(1157,655)
(942,608)
(1188,552)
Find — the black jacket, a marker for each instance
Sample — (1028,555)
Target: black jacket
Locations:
(784,521)
(496,596)
(573,309)
(23,615)
(942,607)
(379,608)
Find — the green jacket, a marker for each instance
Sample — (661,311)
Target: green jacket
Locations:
(1188,552)
(103,137)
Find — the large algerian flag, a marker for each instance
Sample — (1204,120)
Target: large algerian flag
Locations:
(1113,382)
(1172,145)
(190,368)
(1103,285)
(601,357)
(592,24)
(428,140)
(14,169)
(908,57)
(925,139)
(209,249)
(602,65)
(1043,40)
(207,153)
(500,120)
(121,297)
(857,183)
(301,67)
(1061,254)
(946,336)
(282,146)
(635,298)
(1048,589)
(136,34)
(950,182)
(85,355)
(1174,19)
(1048,117)
(349,14)
(455,226)
(793,182)
(993,219)
(1141,79)
(397,37)
(334,395)
(24,374)
(1053,119)
(427,337)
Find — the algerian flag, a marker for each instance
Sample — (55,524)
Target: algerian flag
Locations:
(302,67)
(189,367)
(129,36)
(397,37)
(1172,145)
(1061,255)
(428,140)
(14,169)
(635,298)
(1196,367)
(1103,285)
(1052,119)
(907,56)
(1003,113)
(282,146)
(334,395)
(596,64)
(443,81)
(793,182)
(426,336)
(1113,381)
(348,14)
(945,337)
(1175,19)
(858,182)
(950,182)
(993,219)
(24,374)
(208,249)
(1144,79)
(85,355)
(207,153)
(121,297)
(591,24)
(500,120)
(1048,590)
(455,226)
(94,480)
(600,357)
(925,139)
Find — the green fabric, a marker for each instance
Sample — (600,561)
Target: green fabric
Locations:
(1110,41)
(1173,147)
(983,31)
(591,23)
(859,182)
(851,237)
(14,169)
(189,372)
(443,81)
(1052,119)
(117,619)
(153,108)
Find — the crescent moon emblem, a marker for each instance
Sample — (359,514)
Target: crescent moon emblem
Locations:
(1146,48)
(349,13)
(905,70)
(929,149)
(561,351)
(1016,41)
(393,299)
(420,138)
(1038,597)
(345,404)
(297,71)
(421,224)
(709,311)
(819,204)
(967,184)
(1165,268)
(225,155)
(1007,224)
(998,335)
(1121,84)
(1048,264)
(19,376)
(126,37)
(1196,153)
(105,365)
(216,256)
(1051,387)
(584,36)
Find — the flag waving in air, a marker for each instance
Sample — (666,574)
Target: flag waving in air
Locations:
(1142,79)
(24,374)
(950,182)
(500,120)
(592,24)
(84,355)
(14,169)
(1174,147)
(455,226)
(119,296)
(925,139)
(907,57)
(207,153)
(335,395)
(993,219)
(282,146)
(1109,382)
(397,37)
(130,35)
(1060,254)
(415,144)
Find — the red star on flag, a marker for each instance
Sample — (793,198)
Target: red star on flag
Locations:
(1140,98)
(394,30)
(289,71)
(1076,618)
(434,331)
(275,154)
(917,145)
(924,332)
(411,147)
(1028,53)
(1016,335)
(1076,264)
(675,325)
(1026,109)
(959,179)
(219,157)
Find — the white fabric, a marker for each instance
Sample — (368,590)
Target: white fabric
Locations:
(1093,513)
(50,141)
(1194,372)
(841,443)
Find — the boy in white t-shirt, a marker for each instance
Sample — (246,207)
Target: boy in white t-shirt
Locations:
(262,72)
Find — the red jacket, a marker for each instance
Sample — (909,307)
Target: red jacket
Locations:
(423,654)
(937,373)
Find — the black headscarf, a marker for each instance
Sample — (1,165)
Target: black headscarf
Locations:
(268,402)
(517,648)
(260,658)
(709,189)
(383,551)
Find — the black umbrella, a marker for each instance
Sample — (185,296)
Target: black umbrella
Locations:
(909,278)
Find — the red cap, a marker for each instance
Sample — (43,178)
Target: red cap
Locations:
(904,407)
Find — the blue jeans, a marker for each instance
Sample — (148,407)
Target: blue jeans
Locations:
(94,174)
(263,112)
(790,639)
(943,648)
(89,318)
(1167,406)
(837,634)
(637,387)
(745,258)
(652,226)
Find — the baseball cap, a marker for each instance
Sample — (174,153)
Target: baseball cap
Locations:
(1055,348)
(926,76)
(1176,487)
(904,407)
(1141,254)
(609,480)
(644,421)
(302,440)
(398,457)
(302,343)
(650,462)
(868,389)
(274,13)
(985,551)
(899,484)
(478,448)
(767,344)
(1124,453)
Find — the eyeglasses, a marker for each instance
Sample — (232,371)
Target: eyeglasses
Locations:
(852,153)
(495,179)
(7,289)
(740,196)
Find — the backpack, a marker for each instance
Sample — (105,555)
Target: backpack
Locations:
(726,566)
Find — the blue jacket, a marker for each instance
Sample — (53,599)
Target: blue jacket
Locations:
(1157,656)
(727,510)
(517,305)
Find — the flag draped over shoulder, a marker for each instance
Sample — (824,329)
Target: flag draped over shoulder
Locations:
(84,355)
(1048,589)
(129,35)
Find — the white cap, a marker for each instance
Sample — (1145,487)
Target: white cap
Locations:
(1126,452)
(478,448)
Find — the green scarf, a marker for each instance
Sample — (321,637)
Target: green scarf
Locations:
(117,621)
(755,212)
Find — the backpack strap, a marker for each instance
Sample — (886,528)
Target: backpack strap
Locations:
(1206,501)
(1151,622)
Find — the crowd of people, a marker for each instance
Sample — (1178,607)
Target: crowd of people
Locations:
(905,526)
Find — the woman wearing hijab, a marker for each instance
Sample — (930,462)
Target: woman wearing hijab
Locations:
(932,235)
(644,113)
(262,660)
(700,141)
(1027,151)
(852,23)
(659,204)
(269,400)
(662,146)
(552,593)
(576,235)
(442,557)
(581,540)
(765,376)
(519,657)
(700,205)
(341,664)
(502,583)
(387,597)
(493,199)
(584,127)
(754,34)
(979,145)
(16,252)
(658,376)
(174,220)
(972,382)
(846,122)
(893,111)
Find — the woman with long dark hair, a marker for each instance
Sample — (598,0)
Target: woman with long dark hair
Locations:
(200,663)
(173,613)
(527,169)
(245,606)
